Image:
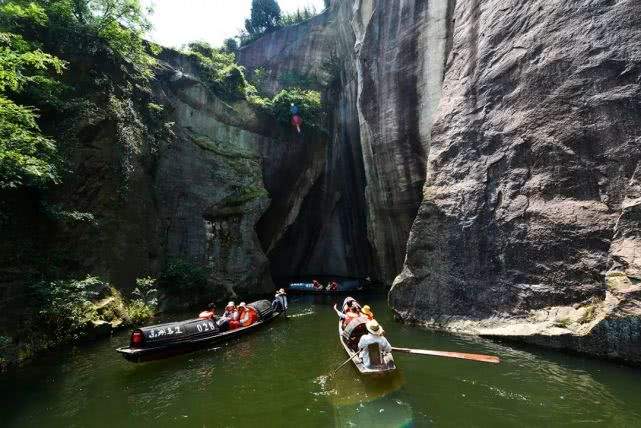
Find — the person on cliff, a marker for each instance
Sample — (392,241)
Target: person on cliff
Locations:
(297,120)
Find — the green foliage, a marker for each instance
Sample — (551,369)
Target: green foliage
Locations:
(230,45)
(58,213)
(156,108)
(21,64)
(66,307)
(139,313)
(183,279)
(563,323)
(244,195)
(301,15)
(225,77)
(145,292)
(84,26)
(309,103)
(265,17)
(258,78)
(297,80)
(26,156)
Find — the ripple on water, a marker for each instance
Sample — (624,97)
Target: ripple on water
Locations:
(281,373)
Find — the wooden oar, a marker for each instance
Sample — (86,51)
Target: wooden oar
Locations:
(339,367)
(461,355)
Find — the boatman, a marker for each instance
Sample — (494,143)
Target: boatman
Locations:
(280,301)
(374,335)
(209,314)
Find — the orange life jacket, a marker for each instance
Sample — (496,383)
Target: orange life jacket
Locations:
(249,317)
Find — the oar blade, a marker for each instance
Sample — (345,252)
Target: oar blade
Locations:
(460,355)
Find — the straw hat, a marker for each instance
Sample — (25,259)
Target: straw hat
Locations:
(374,327)
(367,310)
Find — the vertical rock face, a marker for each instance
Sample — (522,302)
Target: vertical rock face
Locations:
(532,193)
(400,55)
(227,170)
(381,66)
(327,234)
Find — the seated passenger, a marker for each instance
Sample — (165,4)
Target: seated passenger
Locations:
(353,313)
(249,317)
(332,286)
(374,336)
(209,314)
(317,285)
(367,311)
(235,321)
(348,303)
(229,314)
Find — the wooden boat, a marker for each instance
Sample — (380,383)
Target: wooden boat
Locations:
(164,340)
(341,287)
(349,337)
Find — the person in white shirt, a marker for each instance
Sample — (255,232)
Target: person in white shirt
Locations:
(374,335)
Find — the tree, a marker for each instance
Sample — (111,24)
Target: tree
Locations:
(230,45)
(265,17)
(27,157)
(79,24)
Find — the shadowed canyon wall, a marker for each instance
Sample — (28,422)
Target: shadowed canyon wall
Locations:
(380,65)
(529,225)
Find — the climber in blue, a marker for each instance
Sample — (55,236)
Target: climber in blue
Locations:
(297,121)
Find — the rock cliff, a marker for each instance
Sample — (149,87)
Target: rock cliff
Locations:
(529,225)
(380,65)
(488,151)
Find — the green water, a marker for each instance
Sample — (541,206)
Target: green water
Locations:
(277,377)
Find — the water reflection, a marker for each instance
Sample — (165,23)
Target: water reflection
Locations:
(359,400)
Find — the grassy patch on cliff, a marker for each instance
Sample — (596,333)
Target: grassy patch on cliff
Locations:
(227,80)
(244,195)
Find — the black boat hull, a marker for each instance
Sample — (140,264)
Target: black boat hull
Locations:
(138,355)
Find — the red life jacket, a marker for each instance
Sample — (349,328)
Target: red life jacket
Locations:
(249,317)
